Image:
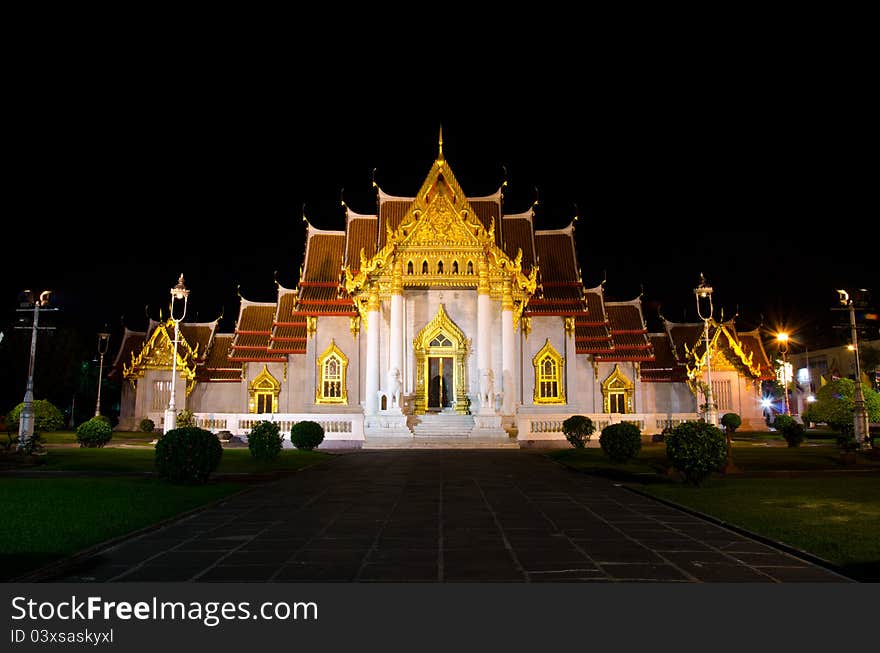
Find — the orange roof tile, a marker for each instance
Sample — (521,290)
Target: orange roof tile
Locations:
(391,212)
(488,211)
(361,233)
(324,252)
(518,234)
(556,258)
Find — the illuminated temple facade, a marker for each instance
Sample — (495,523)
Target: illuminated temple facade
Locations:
(440,316)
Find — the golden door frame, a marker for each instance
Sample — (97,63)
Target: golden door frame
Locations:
(458,350)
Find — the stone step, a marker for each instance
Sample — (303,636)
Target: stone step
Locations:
(439,443)
(441,426)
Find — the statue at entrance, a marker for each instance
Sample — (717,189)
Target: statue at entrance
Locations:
(487,388)
(394,387)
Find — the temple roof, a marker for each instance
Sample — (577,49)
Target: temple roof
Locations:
(592,330)
(556,256)
(629,334)
(665,368)
(132,343)
(747,355)
(519,234)
(218,367)
(361,234)
(252,332)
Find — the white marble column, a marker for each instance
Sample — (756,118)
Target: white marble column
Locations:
(395,361)
(484,341)
(371,383)
(507,352)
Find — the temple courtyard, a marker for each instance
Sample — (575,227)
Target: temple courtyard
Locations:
(441,516)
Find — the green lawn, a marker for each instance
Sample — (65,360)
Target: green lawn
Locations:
(749,456)
(45,519)
(835,518)
(829,512)
(119,437)
(138,459)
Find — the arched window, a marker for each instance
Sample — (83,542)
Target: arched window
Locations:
(455,267)
(617,393)
(424,267)
(440,267)
(549,375)
(332,365)
(409,267)
(264,391)
(470,268)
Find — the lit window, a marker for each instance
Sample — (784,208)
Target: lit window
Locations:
(332,365)
(617,393)
(264,391)
(161,394)
(549,366)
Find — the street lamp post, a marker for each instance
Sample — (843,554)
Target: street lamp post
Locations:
(178,292)
(782,339)
(860,414)
(704,291)
(103,343)
(26,419)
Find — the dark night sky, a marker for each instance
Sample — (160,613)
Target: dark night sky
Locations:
(118,193)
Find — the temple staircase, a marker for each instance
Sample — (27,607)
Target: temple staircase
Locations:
(436,425)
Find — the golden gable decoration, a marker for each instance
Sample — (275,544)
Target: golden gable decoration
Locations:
(157,352)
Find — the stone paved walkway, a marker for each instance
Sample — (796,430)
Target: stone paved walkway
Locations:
(443,516)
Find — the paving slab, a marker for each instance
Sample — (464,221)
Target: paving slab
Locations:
(447,516)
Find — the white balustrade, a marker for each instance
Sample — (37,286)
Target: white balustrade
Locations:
(549,426)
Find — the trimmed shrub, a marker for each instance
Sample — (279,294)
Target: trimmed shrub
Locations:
(621,442)
(835,403)
(696,449)
(306,435)
(578,430)
(782,422)
(188,455)
(794,434)
(46,417)
(147,425)
(264,441)
(94,433)
(185,419)
(731,422)
(808,417)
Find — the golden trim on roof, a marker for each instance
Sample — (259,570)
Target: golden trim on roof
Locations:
(436,239)
(744,363)
(157,352)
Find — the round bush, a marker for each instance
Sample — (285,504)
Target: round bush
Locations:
(264,441)
(731,421)
(782,422)
(188,455)
(578,430)
(46,416)
(94,433)
(794,434)
(696,449)
(621,442)
(306,435)
(147,425)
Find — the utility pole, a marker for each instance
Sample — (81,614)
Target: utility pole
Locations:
(28,304)
(860,414)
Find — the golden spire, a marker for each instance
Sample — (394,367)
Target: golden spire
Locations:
(440,153)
